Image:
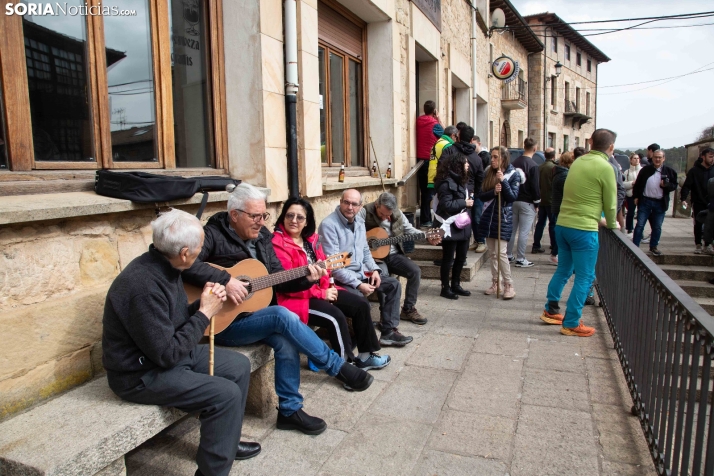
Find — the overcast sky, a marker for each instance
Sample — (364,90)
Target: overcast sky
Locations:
(672,114)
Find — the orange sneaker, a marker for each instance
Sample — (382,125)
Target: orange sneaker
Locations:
(580,331)
(549,318)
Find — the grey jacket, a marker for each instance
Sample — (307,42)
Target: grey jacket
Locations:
(620,182)
(337,237)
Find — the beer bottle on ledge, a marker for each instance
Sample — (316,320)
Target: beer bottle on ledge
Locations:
(341,177)
(389,170)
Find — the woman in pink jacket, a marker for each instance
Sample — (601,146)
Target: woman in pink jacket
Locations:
(296,244)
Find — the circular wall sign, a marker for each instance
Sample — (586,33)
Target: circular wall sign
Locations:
(503,68)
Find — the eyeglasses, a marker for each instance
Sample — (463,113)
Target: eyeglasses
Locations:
(296,217)
(347,203)
(256,217)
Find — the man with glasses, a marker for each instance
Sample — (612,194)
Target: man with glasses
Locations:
(344,230)
(238,234)
(651,191)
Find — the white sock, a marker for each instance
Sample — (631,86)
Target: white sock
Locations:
(363,356)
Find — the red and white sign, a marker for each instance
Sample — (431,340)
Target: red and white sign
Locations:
(504,68)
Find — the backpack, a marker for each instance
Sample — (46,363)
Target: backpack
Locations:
(143,187)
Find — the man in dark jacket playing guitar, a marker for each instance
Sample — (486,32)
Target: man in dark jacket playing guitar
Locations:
(239,234)
(384,213)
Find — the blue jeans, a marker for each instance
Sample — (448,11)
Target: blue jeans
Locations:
(652,210)
(287,335)
(577,252)
(544,213)
(476,212)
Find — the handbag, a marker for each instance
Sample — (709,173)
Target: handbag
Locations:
(463,219)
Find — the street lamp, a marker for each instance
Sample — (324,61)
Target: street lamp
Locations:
(558,68)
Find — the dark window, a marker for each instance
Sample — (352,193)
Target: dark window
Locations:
(56,59)
(191,79)
(553,89)
(578,59)
(567,52)
(587,104)
(590,65)
(554,43)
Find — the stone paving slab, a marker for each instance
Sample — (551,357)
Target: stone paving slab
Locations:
(485,388)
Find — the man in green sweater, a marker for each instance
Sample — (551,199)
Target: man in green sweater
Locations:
(590,190)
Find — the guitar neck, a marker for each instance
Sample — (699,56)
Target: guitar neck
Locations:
(274,279)
(401,239)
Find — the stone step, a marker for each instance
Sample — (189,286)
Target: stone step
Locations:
(693,273)
(473,263)
(683,258)
(697,289)
(425,253)
(707,304)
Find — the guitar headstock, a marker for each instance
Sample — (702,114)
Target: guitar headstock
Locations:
(338,260)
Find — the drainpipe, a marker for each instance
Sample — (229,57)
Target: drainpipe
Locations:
(291,90)
(474,72)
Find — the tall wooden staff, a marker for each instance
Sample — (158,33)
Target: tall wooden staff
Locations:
(498,259)
(210,346)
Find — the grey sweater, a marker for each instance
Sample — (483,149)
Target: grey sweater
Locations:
(148,322)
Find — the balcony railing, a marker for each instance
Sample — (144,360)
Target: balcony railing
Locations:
(665,344)
(514,94)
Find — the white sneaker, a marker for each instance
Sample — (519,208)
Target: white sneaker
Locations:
(553,260)
(524,263)
(646,239)
(698,250)
(709,250)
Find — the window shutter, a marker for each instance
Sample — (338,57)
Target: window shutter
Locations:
(338,31)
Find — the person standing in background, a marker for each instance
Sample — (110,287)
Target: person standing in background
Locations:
(630,177)
(545,172)
(526,206)
(696,182)
(428,131)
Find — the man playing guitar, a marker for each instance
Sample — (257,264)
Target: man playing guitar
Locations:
(239,234)
(384,213)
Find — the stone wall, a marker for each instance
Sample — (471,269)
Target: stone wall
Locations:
(52,290)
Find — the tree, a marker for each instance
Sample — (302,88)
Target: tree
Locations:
(707,133)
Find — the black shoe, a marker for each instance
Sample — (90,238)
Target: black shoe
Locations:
(353,378)
(457,289)
(537,249)
(301,421)
(590,301)
(437,262)
(394,338)
(448,293)
(655,252)
(247,450)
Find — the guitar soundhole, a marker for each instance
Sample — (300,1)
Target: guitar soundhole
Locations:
(248,287)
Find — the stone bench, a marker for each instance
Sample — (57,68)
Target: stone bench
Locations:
(88,430)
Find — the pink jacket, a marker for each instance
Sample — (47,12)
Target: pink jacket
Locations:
(293,256)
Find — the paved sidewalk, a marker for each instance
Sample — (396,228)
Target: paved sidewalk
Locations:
(485,389)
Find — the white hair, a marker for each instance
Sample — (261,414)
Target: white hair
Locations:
(175,230)
(241,194)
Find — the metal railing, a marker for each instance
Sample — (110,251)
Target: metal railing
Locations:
(664,341)
(517,89)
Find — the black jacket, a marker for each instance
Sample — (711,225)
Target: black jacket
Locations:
(223,246)
(147,322)
(476,169)
(530,191)
(452,200)
(696,182)
(560,173)
(485,159)
(668,173)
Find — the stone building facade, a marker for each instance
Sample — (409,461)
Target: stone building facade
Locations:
(562,109)
(59,252)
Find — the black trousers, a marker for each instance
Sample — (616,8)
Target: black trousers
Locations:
(333,317)
(698,227)
(448,263)
(425,193)
(220,400)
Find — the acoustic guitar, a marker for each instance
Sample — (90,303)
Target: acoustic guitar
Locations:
(380,243)
(259,285)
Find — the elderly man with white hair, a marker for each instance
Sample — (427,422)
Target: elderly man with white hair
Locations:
(150,344)
(239,234)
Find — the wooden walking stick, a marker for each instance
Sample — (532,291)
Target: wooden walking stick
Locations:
(498,259)
(210,347)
